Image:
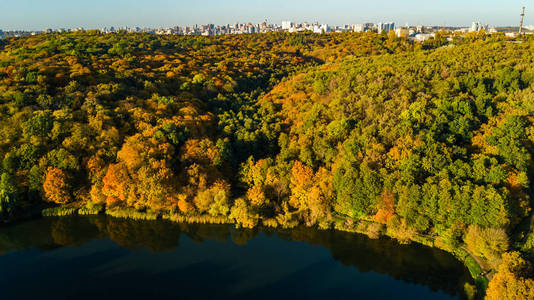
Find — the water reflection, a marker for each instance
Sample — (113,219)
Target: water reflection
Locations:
(415,264)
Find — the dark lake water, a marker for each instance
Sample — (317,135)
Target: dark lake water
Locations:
(100,257)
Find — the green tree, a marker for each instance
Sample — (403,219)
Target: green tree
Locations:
(8,196)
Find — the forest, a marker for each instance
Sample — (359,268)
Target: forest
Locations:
(428,142)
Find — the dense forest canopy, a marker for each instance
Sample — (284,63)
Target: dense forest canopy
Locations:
(351,131)
(146,121)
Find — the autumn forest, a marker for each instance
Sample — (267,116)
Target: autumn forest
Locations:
(423,142)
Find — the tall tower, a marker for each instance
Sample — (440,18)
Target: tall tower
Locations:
(521,24)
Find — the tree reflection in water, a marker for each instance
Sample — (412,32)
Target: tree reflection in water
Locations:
(418,264)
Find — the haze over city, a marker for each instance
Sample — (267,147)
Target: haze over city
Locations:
(95,14)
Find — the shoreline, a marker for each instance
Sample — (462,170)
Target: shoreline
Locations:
(461,254)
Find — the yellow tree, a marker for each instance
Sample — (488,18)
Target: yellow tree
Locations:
(242,214)
(214,200)
(116,184)
(183,205)
(511,281)
(386,208)
(55,186)
(309,192)
(301,181)
(256,196)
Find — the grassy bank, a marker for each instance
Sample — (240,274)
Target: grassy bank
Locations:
(60,211)
(197,219)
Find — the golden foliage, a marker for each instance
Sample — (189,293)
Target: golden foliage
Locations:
(241,213)
(373,230)
(200,150)
(386,208)
(184,206)
(487,242)
(397,228)
(301,175)
(131,155)
(55,186)
(256,196)
(116,184)
(214,200)
(511,282)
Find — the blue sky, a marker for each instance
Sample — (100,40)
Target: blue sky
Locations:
(40,14)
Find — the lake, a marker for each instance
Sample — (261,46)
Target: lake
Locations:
(99,257)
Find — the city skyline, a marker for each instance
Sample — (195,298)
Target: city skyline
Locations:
(38,15)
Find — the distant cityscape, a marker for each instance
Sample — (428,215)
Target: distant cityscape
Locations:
(417,33)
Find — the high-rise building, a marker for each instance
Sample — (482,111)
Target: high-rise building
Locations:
(358,28)
(387,27)
(286,25)
(477,26)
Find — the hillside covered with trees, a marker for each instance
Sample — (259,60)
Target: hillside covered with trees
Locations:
(360,132)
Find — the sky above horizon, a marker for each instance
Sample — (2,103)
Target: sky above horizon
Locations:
(41,14)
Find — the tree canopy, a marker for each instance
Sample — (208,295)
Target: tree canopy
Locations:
(432,140)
